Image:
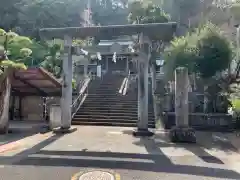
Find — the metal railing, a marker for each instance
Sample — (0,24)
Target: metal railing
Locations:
(126,83)
(83,92)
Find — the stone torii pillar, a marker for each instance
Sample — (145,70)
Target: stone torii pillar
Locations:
(182,132)
(143,67)
(164,31)
(66,100)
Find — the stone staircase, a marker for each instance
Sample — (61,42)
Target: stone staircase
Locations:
(105,106)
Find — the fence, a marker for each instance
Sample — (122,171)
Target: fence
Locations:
(202,121)
(215,119)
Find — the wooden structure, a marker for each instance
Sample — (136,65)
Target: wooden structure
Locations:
(106,49)
(163,31)
(30,84)
(35,82)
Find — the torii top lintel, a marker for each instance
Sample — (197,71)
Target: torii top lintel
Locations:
(163,31)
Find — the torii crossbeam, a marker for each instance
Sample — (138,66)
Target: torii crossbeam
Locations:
(163,31)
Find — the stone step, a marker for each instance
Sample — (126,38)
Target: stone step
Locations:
(112,86)
(105,95)
(123,99)
(116,96)
(104,123)
(95,117)
(112,101)
(115,92)
(101,107)
(109,89)
(111,107)
(107,106)
(120,111)
(111,113)
(110,104)
(112,96)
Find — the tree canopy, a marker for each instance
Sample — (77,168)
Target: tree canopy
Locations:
(140,13)
(26,16)
(205,51)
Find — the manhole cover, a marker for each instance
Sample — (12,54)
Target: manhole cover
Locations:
(96,175)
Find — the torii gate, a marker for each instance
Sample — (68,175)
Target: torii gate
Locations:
(164,31)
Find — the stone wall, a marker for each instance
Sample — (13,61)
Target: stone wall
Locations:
(32,107)
(201,121)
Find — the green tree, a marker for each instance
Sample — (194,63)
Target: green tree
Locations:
(214,52)
(7,67)
(109,12)
(142,13)
(182,52)
(52,61)
(26,16)
(206,52)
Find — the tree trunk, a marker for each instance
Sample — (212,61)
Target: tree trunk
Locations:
(4,102)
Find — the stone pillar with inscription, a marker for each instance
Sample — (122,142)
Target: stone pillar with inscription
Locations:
(182,132)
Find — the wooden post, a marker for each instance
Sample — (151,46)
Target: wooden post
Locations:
(182,132)
(143,66)
(66,100)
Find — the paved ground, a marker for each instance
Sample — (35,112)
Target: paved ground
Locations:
(113,149)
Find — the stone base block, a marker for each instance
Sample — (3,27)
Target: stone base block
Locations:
(45,129)
(64,130)
(182,135)
(142,133)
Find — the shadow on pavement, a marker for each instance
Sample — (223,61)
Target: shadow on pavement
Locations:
(86,159)
(155,161)
(24,154)
(205,141)
(163,141)
(21,130)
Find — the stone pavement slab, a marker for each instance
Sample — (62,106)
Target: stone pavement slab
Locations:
(114,149)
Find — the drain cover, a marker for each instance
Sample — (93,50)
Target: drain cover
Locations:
(96,175)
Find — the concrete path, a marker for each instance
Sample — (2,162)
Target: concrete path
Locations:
(115,150)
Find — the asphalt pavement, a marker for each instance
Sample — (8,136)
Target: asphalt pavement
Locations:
(115,151)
